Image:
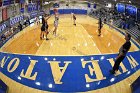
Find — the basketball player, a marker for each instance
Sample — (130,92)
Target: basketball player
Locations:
(71,16)
(100,25)
(56,16)
(55,10)
(55,26)
(122,53)
(44,28)
(55,21)
(74,19)
(37,20)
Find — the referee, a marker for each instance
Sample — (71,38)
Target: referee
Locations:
(122,53)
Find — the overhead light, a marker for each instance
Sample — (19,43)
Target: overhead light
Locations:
(46,3)
(109,5)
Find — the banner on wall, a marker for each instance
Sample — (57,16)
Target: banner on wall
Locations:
(120,8)
(131,10)
(94,6)
(32,7)
(38,5)
(22,1)
(6,2)
(29,8)
(15,20)
(11,1)
(22,10)
(4,14)
(89,5)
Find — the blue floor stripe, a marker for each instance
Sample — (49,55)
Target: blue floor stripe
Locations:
(73,79)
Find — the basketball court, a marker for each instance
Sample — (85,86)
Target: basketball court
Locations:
(71,41)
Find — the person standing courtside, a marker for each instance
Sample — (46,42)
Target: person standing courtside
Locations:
(122,53)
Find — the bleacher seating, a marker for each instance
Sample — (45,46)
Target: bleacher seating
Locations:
(135,32)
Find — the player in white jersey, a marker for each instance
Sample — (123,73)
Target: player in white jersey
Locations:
(55,27)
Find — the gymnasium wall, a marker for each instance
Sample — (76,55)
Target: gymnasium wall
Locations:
(46,9)
(72,8)
(13,10)
(76,8)
(9,11)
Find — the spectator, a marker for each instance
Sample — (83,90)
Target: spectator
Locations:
(3,37)
(25,23)
(20,26)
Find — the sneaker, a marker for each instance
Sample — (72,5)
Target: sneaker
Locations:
(40,38)
(55,35)
(112,72)
(47,39)
(99,35)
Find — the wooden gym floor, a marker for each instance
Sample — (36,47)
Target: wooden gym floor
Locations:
(70,39)
(82,37)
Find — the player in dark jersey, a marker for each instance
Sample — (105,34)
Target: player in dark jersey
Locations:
(100,25)
(74,19)
(44,28)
